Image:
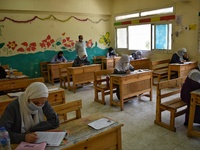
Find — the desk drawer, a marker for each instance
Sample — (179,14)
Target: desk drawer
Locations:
(56,97)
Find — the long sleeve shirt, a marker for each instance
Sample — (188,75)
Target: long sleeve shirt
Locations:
(11,120)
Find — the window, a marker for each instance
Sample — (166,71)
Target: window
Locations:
(150,33)
(122,38)
(145,37)
(139,37)
(127,16)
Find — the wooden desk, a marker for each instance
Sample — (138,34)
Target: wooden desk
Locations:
(143,63)
(130,85)
(109,63)
(56,96)
(81,75)
(194,101)
(182,69)
(14,78)
(84,137)
(53,71)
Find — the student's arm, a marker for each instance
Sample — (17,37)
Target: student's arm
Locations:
(76,63)
(52,121)
(131,68)
(11,120)
(86,62)
(119,72)
(53,60)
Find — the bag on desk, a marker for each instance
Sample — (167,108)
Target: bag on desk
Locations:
(2,73)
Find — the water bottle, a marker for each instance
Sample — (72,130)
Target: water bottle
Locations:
(11,72)
(4,139)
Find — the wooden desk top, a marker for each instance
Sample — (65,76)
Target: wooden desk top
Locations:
(15,78)
(56,64)
(6,98)
(185,63)
(135,72)
(197,92)
(79,131)
(85,66)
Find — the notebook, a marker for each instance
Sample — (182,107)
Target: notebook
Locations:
(31,146)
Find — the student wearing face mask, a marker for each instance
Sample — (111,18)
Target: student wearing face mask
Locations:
(25,115)
(81,60)
(123,66)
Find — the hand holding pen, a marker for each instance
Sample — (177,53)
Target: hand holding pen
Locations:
(31,137)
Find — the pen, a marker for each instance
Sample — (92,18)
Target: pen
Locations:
(66,136)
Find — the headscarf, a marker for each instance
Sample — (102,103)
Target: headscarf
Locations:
(34,90)
(194,74)
(121,64)
(181,53)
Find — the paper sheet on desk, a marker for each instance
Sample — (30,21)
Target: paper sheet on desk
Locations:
(51,138)
(101,123)
(53,89)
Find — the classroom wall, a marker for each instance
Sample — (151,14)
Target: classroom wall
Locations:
(187,11)
(32,31)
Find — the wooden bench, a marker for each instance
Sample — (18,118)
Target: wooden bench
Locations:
(160,69)
(64,111)
(169,100)
(18,85)
(44,70)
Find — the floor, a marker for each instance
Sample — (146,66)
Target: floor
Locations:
(139,131)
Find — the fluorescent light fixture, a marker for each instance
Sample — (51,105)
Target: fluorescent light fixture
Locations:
(117,18)
(157,11)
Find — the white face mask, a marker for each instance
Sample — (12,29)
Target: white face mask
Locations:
(33,107)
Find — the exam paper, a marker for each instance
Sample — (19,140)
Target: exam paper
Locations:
(51,138)
(101,123)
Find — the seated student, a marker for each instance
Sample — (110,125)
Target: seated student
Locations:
(123,66)
(25,115)
(111,52)
(137,55)
(179,57)
(2,73)
(59,58)
(192,83)
(81,60)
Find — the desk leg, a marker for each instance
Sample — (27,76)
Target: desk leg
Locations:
(191,116)
(169,73)
(111,91)
(121,97)
(49,71)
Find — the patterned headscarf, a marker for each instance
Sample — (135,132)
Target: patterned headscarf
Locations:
(34,90)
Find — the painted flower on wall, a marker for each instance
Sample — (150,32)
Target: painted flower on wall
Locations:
(68,43)
(47,43)
(28,47)
(12,45)
(89,43)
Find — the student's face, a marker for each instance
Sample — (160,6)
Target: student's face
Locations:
(39,101)
(185,54)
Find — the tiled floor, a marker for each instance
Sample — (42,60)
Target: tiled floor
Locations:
(139,131)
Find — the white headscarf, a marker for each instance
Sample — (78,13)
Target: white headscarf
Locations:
(194,74)
(121,64)
(34,90)
(181,53)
